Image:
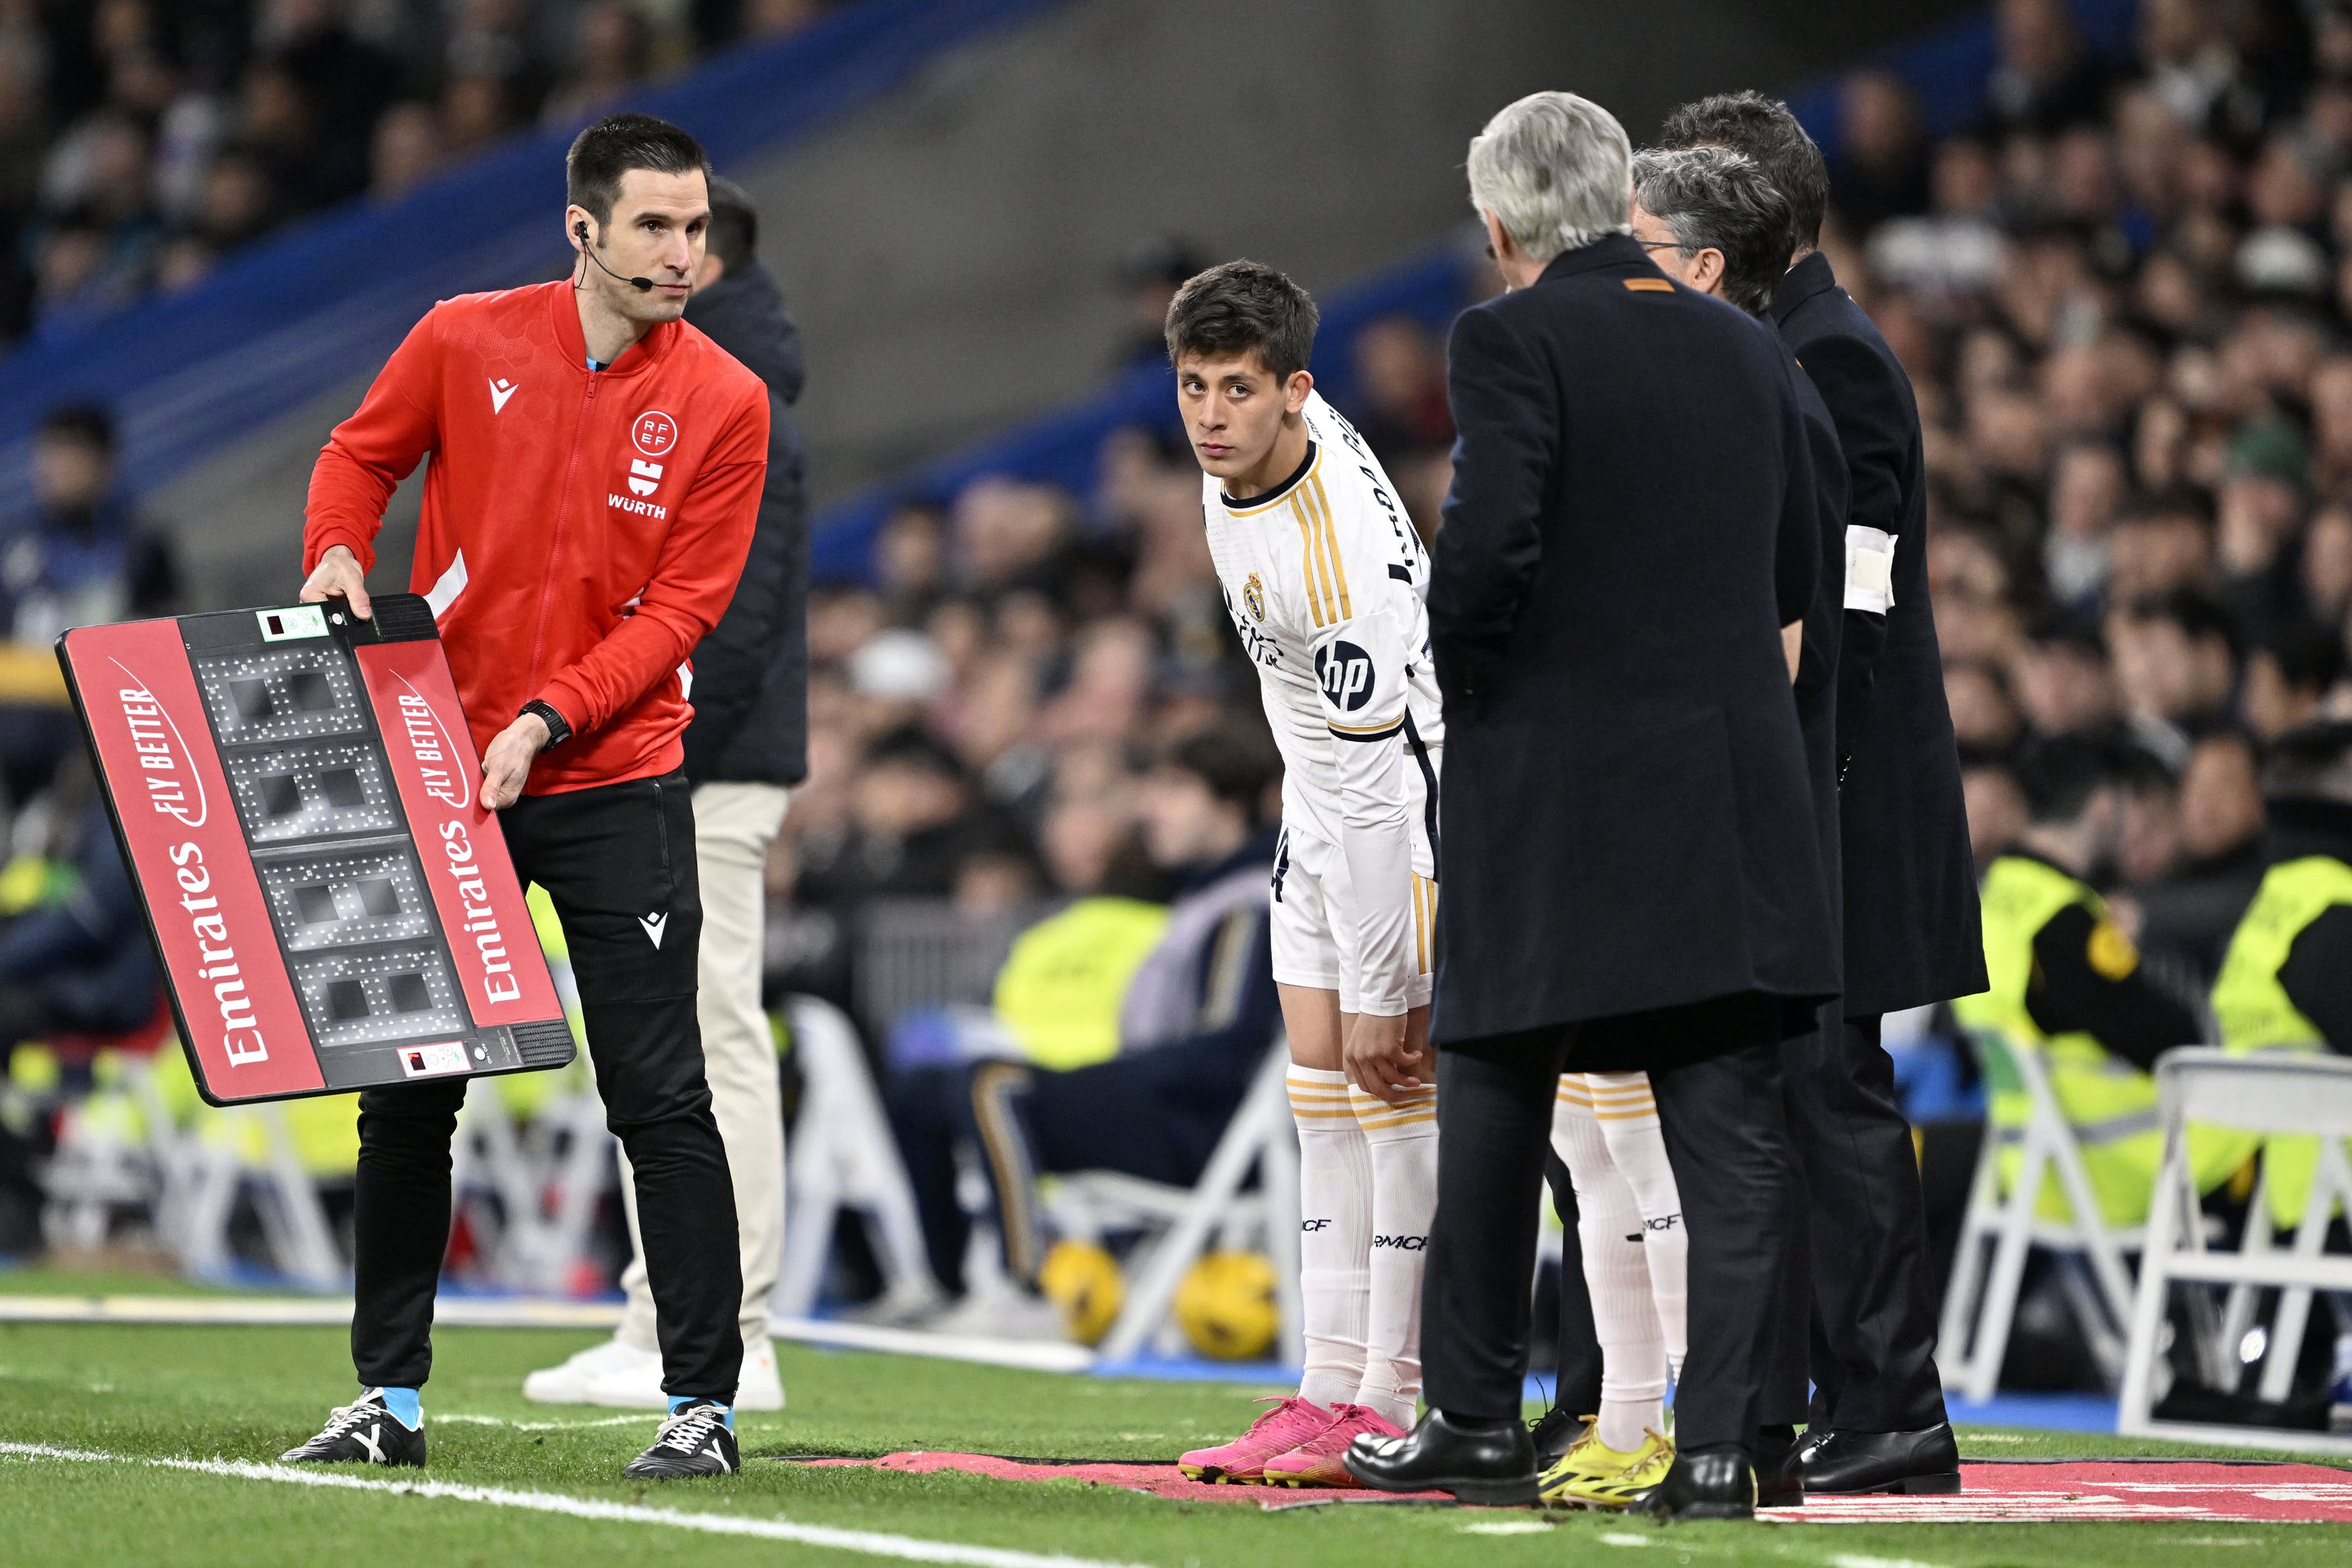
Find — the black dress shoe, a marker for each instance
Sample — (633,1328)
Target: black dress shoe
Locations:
(1778,1482)
(1556,1434)
(1491,1462)
(1923,1462)
(1713,1483)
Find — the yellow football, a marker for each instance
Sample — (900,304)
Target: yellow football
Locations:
(1227,1308)
(1084,1280)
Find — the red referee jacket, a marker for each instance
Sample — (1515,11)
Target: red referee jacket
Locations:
(581,532)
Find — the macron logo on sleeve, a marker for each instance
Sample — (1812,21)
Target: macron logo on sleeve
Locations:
(502,389)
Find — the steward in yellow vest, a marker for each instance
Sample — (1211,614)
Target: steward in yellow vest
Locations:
(2064,983)
(2287,981)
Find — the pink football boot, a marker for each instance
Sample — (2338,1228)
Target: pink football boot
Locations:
(1320,1462)
(1242,1462)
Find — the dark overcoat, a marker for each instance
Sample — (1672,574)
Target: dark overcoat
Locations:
(1912,931)
(1626,821)
(1824,630)
(751,673)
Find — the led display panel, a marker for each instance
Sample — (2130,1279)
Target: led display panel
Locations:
(298,800)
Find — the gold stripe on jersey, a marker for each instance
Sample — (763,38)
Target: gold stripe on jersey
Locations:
(1421,921)
(1331,536)
(1307,566)
(1318,553)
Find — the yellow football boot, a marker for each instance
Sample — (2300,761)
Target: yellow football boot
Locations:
(1593,1475)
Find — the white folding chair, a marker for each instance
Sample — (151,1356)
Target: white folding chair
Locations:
(2271,1092)
(1980,1307)
(843,1156)
(1259,1136)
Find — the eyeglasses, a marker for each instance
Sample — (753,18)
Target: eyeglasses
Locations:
(1659,244)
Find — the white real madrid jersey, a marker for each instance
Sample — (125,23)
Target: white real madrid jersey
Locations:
(1324,578)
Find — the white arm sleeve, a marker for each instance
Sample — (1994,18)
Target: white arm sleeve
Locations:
(1360,664)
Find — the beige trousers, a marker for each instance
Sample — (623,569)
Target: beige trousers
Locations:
(734,825)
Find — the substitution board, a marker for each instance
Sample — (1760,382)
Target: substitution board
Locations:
(299,804)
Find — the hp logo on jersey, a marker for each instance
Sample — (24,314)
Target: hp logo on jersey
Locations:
(1346,673)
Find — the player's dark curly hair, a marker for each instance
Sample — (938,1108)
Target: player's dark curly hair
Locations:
(618,143)
(1243,307)
(1764,129)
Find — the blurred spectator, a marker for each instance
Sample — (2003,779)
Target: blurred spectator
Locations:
(2175,662)
(406,150)
(141,141)
(613,49)
(1150,273)
(2064,681)
(2191,913)
(1882,170)
(1996,807)
(85,558)
(2288,677)
(911,559)
(2046,80)
(1401,389)
(1985,717)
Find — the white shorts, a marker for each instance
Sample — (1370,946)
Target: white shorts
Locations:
(1314,912)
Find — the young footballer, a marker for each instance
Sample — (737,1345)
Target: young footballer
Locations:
(1323,576)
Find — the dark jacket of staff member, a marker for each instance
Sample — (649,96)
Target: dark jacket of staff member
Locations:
(1712,219)
(1633,878)
(1910,918)
(596,469)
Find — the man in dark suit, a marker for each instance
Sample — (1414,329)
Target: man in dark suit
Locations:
(1627,827)
(1911,927)
(1712,220)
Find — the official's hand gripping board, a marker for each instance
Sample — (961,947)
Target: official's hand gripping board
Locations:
(299,803)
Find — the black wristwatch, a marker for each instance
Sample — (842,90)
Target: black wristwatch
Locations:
(558,732)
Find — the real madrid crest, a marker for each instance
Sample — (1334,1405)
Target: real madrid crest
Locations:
(1254,597)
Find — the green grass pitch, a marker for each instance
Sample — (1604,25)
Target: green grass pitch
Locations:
(247,1393)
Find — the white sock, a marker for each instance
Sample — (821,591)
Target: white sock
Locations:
(1633,1366)
(1335,1233)
(1629,1121)
(1403,1141)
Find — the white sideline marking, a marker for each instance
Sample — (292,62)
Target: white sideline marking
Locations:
(1508,1527)
(1856,1560)
(872,1544)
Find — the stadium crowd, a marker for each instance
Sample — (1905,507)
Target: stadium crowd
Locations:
(140,142)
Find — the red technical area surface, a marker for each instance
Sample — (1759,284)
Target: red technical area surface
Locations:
(173,798)
(1159,1480)
(1997,1492)
(458,839)
(2013,1492)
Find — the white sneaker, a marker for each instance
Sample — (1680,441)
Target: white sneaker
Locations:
(636,1383)
(570,1382)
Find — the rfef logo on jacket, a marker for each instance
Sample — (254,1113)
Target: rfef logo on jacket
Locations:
(653,432)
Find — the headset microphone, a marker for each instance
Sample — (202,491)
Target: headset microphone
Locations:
(643,284)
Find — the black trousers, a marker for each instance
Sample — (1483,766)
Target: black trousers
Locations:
(613,859)
(1578,1391)
(1726,1141)
(1871,1321)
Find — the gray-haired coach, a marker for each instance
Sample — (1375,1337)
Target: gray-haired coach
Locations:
(1632,880)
